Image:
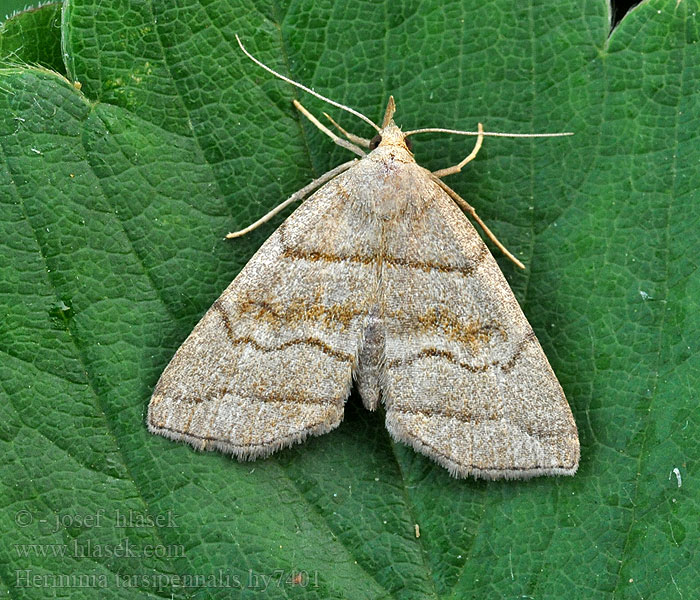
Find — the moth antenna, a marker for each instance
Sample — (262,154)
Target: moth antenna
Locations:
(352,111)
(490,133)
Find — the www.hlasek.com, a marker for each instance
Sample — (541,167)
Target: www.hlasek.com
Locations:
(89,549)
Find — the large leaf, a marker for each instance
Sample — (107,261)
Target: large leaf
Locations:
(115,200)
(33,36)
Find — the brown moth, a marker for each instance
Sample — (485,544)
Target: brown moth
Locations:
(380,279)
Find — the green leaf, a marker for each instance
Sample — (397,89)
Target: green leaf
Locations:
(33,36)
(116,197)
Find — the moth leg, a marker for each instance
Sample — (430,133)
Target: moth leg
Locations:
(294,197)
(457,168)
(338,140)
(468,208)
(355,139)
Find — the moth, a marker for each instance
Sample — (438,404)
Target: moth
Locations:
(377,279)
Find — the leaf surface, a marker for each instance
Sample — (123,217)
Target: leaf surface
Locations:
(115,200)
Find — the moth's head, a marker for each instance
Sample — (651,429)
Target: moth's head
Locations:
(390,134)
